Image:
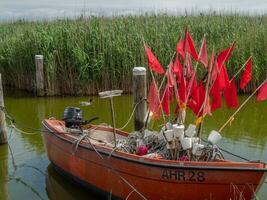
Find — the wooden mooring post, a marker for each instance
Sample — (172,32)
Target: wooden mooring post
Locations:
(3,128)
(4,177)
(39,80)
(139,94)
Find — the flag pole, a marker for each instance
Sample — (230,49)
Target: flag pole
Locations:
(206,94)
(212,83)
(240,107)
(158,96)
(154,80)
(220,67)
(183,108)
(240,69)
(161,100)
(161,84)
(195,71)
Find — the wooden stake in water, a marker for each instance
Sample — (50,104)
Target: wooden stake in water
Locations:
(3,129)
(39,63)
(4,173)
(139,94)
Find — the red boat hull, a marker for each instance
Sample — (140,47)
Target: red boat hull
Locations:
(134,177)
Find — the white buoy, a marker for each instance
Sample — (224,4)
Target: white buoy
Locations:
(214,137)
(169,135)
(186,143)
(190,131)
(178,131)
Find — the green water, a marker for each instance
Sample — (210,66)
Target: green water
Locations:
(34,178)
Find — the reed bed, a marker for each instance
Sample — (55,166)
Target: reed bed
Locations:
(86,55)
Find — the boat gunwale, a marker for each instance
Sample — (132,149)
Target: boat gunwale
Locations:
(151,161)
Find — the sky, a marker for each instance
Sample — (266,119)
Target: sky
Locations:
(34,9)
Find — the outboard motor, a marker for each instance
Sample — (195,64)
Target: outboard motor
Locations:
(73,117)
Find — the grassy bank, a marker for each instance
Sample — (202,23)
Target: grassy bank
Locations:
(88,55)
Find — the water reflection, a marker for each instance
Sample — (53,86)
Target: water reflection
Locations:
(58,187)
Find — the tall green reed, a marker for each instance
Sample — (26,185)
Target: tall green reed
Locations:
(86,55)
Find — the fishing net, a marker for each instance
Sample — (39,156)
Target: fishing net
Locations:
(154,141)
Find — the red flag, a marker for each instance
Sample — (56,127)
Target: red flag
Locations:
(212,59)
(207,107)
(180,48)
(197,99)
(223,77)
(182,90)
(189,67)
(193,104)
(177,108)
(230,95)
(216,96)
(170,78)
(262,94)
(177,68)
(201,91)
(225,55)
(153,62)
(247,74)
(153,98)
(215,70)
(190,46)
(192,83)
(167,98)
(204,55)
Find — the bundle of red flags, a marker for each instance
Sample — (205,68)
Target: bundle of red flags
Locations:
(190,92)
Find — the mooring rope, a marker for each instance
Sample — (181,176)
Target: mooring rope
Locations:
(224,150)
(16,167)
(131,116)
(13,126)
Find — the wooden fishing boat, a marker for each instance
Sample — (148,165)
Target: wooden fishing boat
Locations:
(128,176)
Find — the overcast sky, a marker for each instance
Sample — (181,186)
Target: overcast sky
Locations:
(13,9)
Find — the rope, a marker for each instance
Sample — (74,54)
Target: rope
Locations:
(12,126)
(224,150)
(130,118)
(13,122)
(16,167)
(241,106)
(86,136)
